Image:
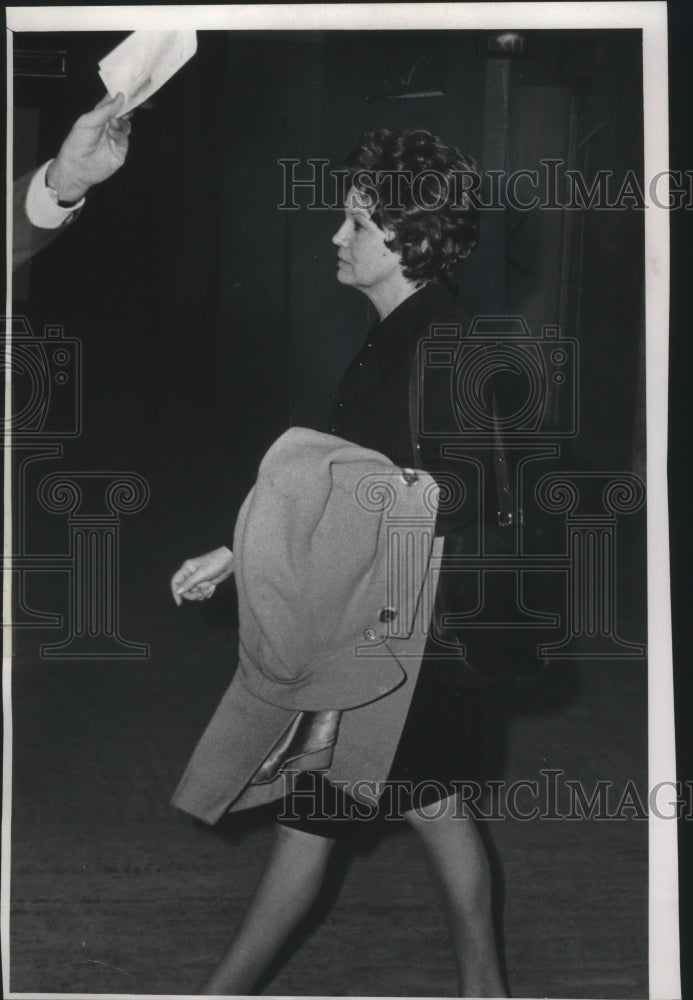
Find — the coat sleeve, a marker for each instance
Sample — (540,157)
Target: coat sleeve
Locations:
(27,239)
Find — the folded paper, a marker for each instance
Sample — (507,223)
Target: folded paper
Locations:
(143,62)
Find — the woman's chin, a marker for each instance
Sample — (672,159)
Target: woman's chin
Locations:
(343,276)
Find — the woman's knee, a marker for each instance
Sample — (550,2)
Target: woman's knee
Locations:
(427,818)
(295,840)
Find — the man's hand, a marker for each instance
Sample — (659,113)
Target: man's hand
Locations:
(95,148)
(197,578)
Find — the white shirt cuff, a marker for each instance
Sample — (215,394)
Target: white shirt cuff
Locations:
(42,206)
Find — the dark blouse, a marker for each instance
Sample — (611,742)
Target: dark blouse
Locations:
(372,402)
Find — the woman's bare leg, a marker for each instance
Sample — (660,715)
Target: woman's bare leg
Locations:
(288,887)
(459,865)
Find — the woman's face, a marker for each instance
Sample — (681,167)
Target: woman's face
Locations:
(363,260)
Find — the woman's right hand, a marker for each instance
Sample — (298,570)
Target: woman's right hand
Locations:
(197,578)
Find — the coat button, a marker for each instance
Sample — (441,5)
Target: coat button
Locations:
(369,634)
(387,615)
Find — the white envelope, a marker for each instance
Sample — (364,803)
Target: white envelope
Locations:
(143,62)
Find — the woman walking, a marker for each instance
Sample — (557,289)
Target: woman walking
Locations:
(407,225)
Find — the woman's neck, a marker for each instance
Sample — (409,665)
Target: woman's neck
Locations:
(387,297)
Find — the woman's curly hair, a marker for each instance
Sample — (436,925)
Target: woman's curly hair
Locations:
(417,187)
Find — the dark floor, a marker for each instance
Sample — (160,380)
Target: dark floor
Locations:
(114,892)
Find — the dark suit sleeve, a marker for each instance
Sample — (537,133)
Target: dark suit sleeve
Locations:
(27,239)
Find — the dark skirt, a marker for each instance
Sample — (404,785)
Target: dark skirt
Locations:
(439,749)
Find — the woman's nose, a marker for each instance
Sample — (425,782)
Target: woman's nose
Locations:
(339,238)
